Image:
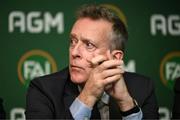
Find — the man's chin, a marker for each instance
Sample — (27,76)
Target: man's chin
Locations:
(77,79)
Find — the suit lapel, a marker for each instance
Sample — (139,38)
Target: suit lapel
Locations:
(70,94)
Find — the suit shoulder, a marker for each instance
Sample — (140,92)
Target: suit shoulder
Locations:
(139,86)
(138,81)
(177,84)
(139,77)
(53,80)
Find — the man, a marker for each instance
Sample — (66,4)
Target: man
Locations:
(176,105)
(95,85)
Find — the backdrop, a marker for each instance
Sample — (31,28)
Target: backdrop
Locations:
(34,38)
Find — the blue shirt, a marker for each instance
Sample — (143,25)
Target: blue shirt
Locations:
(80,111)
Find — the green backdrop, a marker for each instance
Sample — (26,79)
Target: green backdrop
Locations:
(34,38)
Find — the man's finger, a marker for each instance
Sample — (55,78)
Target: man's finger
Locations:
(110,64)
(97,60)
(112,79)
(112,72)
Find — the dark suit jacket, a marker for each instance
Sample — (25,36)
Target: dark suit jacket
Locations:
(176,106)
(2,111)
(51,96)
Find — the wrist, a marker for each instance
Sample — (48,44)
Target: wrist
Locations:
(87,99)
(126,104)
(135,109)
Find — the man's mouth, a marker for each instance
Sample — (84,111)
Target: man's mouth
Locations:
(76,67)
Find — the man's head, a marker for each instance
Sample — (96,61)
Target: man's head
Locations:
(96,31)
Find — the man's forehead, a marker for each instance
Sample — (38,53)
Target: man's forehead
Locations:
(87,27)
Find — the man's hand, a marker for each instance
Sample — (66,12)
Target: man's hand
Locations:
(105,72)
(120,92)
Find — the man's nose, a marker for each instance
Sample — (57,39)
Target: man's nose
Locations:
(76,51)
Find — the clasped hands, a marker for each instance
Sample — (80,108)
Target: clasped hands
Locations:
(107,75)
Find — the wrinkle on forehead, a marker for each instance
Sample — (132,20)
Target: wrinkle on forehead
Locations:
(95,30)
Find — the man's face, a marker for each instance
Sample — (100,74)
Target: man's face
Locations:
(89,38)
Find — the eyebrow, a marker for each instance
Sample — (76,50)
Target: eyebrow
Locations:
(88,40)
(84,40)
(72,36)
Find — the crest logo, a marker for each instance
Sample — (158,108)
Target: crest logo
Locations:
(35,63)
(170,69)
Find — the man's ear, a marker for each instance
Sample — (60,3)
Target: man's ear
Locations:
(117,54)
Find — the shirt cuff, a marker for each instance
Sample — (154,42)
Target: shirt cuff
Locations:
(134,116)
(79,110)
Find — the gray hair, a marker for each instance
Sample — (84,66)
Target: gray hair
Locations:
(119,34)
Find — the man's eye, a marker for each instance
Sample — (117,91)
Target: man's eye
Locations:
(90,45)
(72,42)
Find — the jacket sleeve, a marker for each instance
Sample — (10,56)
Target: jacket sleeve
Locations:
(38,104)
(150,105)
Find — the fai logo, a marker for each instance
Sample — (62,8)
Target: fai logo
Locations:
(33,64)
(170,69)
